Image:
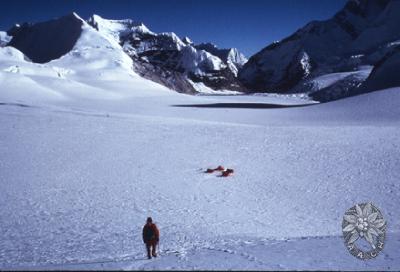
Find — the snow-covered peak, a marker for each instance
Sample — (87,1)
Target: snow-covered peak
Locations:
(98,19)
(187,40)
(93,52)
(137,39)
(113,30)
(236,57)
(99,44)
(124,25)
(232,57)
(230,54)
(179,43)
(71,42)
(199,62)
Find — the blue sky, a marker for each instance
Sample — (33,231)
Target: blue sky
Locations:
(248,25)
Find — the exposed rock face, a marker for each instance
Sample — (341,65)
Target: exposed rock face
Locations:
(358,35)
(161,57)
(167,59)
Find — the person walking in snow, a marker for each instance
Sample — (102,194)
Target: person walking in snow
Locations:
(151,236)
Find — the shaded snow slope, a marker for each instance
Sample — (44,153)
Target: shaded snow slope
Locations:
(384,75)
(49,40)
(334,86)
(386,72)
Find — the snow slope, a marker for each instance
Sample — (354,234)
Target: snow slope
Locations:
(79,176)
(4,38)
(94,67)
(385,74)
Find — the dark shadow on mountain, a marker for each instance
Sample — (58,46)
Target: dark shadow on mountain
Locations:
(241,105)
(43,42)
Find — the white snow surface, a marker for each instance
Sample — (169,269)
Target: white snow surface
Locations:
(112,29)
(88,150)
(198,61)
(4,38)
(327,80)
(11,54)
(203,89)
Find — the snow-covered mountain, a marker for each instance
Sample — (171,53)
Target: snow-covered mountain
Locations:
(356,38)
(167,59)
(325,59)
(232,56)
(163,58)
(90,67)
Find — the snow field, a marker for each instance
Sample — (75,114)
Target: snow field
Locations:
(77,185)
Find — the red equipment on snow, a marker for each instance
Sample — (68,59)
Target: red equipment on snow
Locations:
(228,172)
(219,168)
(225,173)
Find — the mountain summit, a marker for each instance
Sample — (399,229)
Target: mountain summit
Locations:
(161,57)
(356,38)
(171,61)
(346,55)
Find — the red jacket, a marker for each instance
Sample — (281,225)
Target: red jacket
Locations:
(151,234)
